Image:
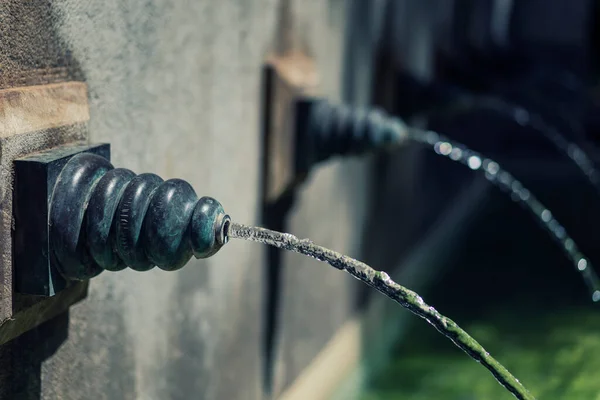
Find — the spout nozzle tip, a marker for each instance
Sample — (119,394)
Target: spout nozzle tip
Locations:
(222,229)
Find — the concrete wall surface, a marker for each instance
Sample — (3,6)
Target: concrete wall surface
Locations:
(175,87)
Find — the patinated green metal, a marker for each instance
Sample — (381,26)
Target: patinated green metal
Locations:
(137,221)
(35,269)
(92,217)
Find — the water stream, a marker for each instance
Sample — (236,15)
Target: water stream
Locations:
(384,284)
(411,300)
(346,130)
(506,182)
(548,341)
(525,119)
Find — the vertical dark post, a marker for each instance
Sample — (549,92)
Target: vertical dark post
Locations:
(277,199)
(271,272)
(288,74)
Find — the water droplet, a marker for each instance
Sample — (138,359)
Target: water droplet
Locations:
(503,180)
(456,154)
(431,137)
(492,167)
(445,148)
(521,116)
(384,277)
(474,162)
(400,129)
(569,244)
(524,117)
(546,215)
(575,152)
(559,231)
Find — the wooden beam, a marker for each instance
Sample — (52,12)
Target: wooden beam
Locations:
(34,108)
(33,119)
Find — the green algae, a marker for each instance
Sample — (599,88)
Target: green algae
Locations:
(512,291)
(557,353)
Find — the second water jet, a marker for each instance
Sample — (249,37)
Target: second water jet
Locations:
(326,130)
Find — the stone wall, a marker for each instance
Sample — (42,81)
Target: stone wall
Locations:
(175,87)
